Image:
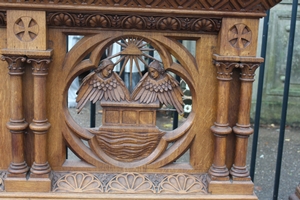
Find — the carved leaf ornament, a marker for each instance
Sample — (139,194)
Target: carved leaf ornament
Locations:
(128,136)
(130,183)
(79,182)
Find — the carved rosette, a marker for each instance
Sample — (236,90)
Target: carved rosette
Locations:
(248,71)
(15,65)
(130,183)
(224,70)
(112,21)
(39,66)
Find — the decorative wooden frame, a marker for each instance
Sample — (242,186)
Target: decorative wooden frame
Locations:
(220,77)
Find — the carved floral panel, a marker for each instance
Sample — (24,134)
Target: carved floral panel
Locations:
(130,183)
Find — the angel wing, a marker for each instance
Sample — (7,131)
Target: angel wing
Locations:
(166,90)
(94,88)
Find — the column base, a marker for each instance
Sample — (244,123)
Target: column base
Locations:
(18,170)
(41,170)
(218,173)
(30,185)
(240,173)
(230,187)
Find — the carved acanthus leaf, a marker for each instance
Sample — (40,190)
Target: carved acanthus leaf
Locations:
(39,66)
(15,64)
(224,69)
(248,71)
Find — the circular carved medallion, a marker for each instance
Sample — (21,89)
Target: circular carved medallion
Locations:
(26,29)
(239,36)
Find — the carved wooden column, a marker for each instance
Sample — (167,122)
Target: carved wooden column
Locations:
(17,124)
(218,170)
(242,129)
(40,124)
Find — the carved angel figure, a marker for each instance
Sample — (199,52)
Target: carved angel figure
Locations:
(157,84)
(102,83)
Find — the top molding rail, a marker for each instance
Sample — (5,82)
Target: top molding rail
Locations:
(226,8)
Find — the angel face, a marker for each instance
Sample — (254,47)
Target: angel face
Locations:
(153,73)
(107,71)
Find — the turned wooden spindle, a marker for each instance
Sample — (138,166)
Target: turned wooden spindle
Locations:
(242,129)
(218,170)
(17,124)
(40,124)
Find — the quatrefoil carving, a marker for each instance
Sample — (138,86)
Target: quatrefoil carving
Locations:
(26,29)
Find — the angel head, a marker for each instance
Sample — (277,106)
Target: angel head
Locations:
(105,68)
(155,70)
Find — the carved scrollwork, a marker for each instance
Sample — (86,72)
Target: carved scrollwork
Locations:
(248,71)
(182,184)
(15,64)
(130,183)
(224,69)
(79,182)
(3,175)
(134,22)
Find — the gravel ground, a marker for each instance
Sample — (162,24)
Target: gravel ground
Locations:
(266,154)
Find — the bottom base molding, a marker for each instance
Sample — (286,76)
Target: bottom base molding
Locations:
(57,196)
(27,185)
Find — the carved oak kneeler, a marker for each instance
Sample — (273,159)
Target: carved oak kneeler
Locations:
(127,156)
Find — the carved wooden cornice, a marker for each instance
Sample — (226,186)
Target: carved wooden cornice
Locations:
(226,8)
(131,22)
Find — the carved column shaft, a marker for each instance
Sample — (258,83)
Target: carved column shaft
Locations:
(242,128)
(221,129)
(17,123)
(40,124)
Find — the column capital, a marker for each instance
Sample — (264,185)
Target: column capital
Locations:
(15,63)
(224,69)
(39,65)
(248,71)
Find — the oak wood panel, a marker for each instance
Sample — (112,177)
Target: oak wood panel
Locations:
(5,135)
(56,145)
(201,153)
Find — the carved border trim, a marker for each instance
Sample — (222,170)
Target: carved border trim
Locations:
(133,22)
(129,183)
(254,6)
(3,175)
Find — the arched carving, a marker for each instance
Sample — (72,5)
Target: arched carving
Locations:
(132,51)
